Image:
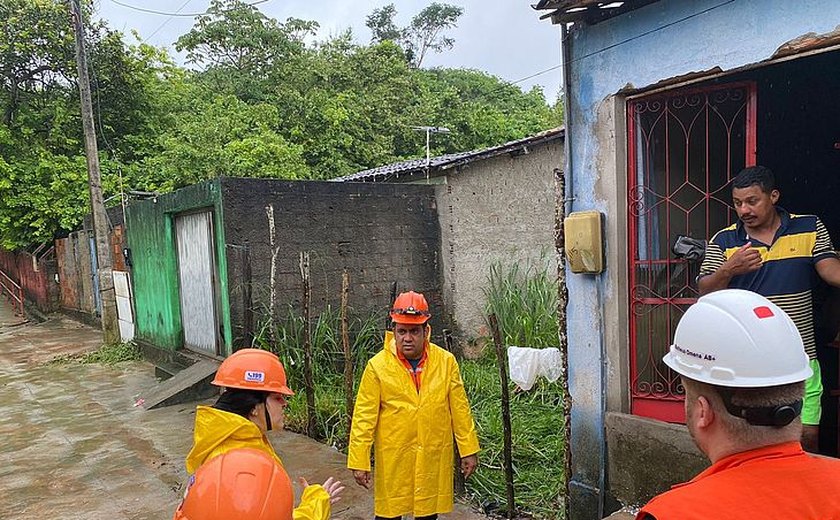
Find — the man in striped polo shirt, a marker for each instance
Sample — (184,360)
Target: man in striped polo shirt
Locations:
(775,254)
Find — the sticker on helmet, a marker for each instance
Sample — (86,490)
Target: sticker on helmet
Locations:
(763,312)
(252,376)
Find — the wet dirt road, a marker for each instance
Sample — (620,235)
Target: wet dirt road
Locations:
(74,446)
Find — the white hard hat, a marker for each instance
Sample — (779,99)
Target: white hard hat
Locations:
(738,339)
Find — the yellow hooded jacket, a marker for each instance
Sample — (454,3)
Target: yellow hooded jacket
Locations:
(217,432)
(412,432)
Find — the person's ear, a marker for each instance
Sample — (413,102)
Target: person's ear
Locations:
(705,412)
(774,196)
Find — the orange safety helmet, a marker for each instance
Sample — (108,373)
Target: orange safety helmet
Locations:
(410,308)
(242,484)
(253,369)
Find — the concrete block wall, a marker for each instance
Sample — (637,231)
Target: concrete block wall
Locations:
(380,233)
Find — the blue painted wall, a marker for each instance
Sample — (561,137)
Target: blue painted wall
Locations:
(661,41)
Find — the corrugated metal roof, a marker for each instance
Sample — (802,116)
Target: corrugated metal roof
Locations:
(589,12)
(445,162)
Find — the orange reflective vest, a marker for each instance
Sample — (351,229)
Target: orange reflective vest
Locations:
(774,482)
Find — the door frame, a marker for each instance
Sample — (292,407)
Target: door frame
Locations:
(214,282)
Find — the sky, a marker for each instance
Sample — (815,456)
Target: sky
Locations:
(505,38)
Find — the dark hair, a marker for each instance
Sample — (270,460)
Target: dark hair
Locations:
(238,401)
(760,176)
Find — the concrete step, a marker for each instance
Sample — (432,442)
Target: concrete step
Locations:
(190,384)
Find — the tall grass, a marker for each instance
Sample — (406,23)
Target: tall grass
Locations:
(331,425)
(525,303)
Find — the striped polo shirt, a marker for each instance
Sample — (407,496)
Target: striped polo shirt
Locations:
(787,274)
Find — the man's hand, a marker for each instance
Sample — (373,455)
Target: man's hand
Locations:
(745,260)
(362,478)
(468,465)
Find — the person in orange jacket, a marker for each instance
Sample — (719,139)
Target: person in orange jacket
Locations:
(252,405)
(241,484)
(743,366)
(410,404)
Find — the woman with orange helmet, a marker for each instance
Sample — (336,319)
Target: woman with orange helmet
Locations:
(252,405)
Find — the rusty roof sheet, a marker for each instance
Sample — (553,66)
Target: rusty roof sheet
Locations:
(442,163)
(588,12)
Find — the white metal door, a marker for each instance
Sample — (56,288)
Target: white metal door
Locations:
(122,287)
(194,236)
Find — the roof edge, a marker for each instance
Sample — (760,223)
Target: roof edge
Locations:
(441,163)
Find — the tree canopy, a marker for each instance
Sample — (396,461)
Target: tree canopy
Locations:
(259,97)
(425,33)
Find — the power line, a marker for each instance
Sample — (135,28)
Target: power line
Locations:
(161,26)
(186,15)
(628,40)
(646,33)
(534,75)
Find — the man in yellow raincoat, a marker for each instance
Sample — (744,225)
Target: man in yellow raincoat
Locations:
(411,403)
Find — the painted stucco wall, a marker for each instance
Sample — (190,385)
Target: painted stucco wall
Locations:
(151,238)
(658,42)
(494,210)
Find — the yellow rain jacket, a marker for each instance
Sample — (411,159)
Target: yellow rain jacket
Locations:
(217,432)
(411,430)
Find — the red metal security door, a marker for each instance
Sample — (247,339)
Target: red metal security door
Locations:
(684,147)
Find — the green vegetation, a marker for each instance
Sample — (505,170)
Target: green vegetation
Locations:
(365,334)
(538,441)
(525,302)
(260,98)
(105,355)
(113,354)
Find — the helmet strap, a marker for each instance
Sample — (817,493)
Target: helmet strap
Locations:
(267,415)
(776,416)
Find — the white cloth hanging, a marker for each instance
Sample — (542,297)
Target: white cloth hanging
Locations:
(526,364)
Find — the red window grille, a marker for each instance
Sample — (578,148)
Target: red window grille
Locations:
(683,149)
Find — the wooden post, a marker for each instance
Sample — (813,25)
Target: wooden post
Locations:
(272,278)
(308,383)
(388,324)
(508,441)
(460,487)
(562,300)
(348,357)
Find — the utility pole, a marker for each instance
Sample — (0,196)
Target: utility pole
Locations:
(107,296)
(429,131)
